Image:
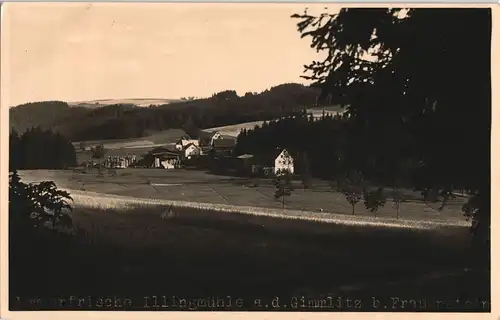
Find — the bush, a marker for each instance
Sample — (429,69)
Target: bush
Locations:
(34,205)
(36,213)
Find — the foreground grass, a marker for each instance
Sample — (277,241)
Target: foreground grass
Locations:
(148,250)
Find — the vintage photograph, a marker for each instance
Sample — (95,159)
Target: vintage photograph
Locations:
(248,157)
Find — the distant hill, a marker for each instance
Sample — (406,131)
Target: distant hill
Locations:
(135,118)
(140,102)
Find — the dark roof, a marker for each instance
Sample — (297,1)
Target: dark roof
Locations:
(224,143)
(159,150)
(191,144)
(167,151)
(171,148)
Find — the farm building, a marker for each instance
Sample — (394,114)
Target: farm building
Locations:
(274,162)
(191,150)
(224,146)
(183,143)
(246,163)
(163,157)
(207,138)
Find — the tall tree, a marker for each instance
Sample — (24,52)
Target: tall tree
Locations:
(14,151)
(191,128)
(284,186)
(420,73)
(40,149)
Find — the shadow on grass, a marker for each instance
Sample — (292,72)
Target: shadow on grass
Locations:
(151,250)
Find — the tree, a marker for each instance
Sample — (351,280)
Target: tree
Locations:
(128,121)
(374,199)
(401,177)
(226,95)
(37,248)
(33,205)
(14,151)
(306,173)
(409,70)
(284,186)
(40,149)
(351,187)
(397,198)
(191,129)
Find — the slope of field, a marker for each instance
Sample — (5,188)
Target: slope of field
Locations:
(158,138)
(234,130)
(172,135)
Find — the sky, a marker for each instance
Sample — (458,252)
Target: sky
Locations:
(78,51)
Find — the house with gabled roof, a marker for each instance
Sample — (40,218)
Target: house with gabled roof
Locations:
(165,157)
(278,160)
(183,142)
(207,138)
(191,150)
(223,147)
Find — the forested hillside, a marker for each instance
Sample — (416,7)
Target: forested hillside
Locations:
(129,121)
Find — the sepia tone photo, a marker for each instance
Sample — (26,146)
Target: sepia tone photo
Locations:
(248,157)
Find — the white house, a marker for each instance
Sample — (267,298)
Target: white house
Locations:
(284,161)
(191,150)
(183,143)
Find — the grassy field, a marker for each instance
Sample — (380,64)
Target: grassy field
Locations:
(135,252)
(200,186)
(145,102)
(155,139)
(172,135)
(128,247)
(234,130)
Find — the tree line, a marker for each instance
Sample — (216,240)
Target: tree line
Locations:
(128,121)
(40,149)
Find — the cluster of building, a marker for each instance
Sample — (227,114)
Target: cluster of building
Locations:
(119,161)
(219,150)
(211,150)
(211,144)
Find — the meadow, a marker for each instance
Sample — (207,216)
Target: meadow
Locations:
(234,130)
(202,187)
(134,249)
(131,246)
(142,102)
(155,139)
